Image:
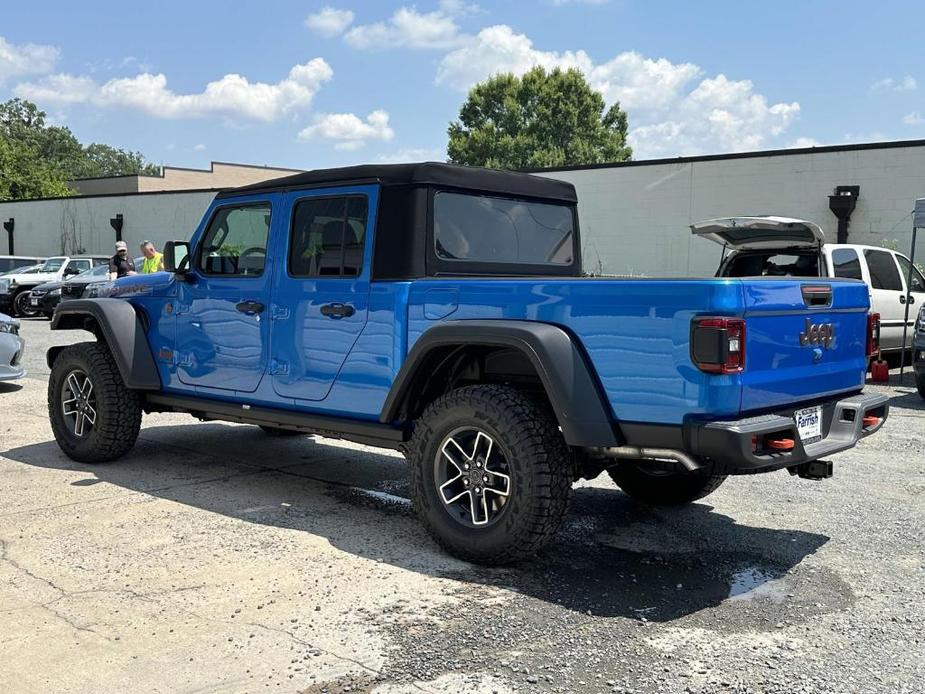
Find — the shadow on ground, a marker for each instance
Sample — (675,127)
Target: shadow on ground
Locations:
(613,557)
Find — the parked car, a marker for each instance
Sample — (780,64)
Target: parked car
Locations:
(47,296)
(12,347)
(17,262)
(28,270)
(786,247)
(441,310)
(918,352)
(15,288)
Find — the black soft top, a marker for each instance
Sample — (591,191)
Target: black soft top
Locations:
(425,173)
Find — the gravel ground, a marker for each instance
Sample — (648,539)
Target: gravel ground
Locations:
(216,559)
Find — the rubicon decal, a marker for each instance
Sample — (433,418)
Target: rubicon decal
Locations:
(817,334)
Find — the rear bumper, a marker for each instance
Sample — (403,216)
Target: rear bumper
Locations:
(731,445)
(11,353)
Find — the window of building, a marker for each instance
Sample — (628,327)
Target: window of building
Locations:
(236,241)
(327,236)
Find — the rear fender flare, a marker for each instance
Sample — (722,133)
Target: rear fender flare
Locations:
(117,323)
(578,401)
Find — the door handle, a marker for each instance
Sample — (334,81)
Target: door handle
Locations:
(249,307)
(337,310)
(911,299)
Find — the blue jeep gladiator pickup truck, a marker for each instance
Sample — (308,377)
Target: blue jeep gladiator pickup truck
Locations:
(441,310)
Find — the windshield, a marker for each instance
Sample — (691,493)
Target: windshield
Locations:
(770,264)
(52,264)
(98,271)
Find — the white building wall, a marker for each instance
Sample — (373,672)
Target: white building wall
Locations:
(81,224)
(634,218)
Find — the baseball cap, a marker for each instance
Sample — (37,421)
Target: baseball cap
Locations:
(121,246)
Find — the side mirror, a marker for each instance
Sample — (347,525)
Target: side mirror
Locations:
(176,256)
(68,272)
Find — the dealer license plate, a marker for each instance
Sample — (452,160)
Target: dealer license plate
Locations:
(809,422)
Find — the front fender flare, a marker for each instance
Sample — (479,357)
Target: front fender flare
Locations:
(577,399)
(121,328)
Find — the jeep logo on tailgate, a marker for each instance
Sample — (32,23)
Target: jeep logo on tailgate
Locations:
(817,334)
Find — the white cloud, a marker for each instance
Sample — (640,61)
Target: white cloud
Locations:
(348,130)
(199,148)
(905,84)
(25,59)
(673,109)
(407,28)
(803,142)
(232,96)
(459,7)
(412,154)
(329,21)
(914,118)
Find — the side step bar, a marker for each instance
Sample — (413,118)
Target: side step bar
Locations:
(368,433)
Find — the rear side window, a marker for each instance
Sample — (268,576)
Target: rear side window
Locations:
(773,264)
(918,282)
(883,271)
(485,229)
(846,263)
(235,243)
(328,235)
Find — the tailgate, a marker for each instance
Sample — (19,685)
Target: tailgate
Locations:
(804,341)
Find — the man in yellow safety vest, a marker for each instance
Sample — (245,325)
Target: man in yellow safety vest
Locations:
(153,261)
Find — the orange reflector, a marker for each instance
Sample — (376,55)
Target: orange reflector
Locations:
(871,421)
(780,444)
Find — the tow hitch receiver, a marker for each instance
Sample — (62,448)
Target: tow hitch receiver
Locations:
(813,470)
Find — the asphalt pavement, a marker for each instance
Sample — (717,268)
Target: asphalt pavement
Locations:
(216,559)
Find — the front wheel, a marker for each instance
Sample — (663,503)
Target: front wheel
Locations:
(21,305)
(94,417)
(662,488)
(490,474)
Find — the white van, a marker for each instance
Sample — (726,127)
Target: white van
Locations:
(786,247)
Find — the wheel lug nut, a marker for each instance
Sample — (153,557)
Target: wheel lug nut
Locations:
(478,490)
(478,463)
(485,478)
(466,482)
(465,466)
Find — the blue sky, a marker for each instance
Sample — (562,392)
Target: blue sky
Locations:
(313,84)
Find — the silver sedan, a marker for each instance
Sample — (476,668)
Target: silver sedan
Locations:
(11,349)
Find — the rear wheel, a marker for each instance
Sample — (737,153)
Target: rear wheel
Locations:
(663,488)
(490,474)
(94,417)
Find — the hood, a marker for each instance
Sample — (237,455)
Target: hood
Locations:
(760,232)
(48,286)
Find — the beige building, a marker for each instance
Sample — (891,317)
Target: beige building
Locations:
(219,175)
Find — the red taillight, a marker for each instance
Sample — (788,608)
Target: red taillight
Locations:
(873,334)
(718,344)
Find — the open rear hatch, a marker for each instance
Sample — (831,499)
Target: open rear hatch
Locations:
(762,232)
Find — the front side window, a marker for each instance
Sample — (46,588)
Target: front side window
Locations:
(327,236)
(883,271)
(52,265)
(846,263)
(236,241)
(918,282)
(478,228)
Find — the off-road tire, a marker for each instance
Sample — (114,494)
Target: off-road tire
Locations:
(279,433)
(118,409)
(539,465)
(666,489)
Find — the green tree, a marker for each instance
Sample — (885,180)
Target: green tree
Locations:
(541,119)
(37,159)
